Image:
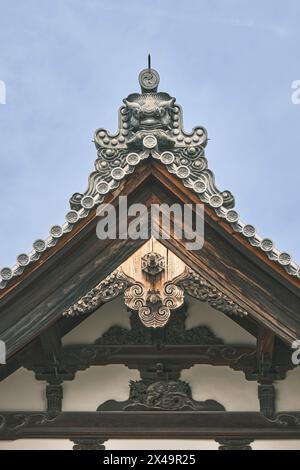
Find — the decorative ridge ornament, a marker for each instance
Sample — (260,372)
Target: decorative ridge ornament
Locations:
(150,126)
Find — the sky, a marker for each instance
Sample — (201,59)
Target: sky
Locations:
(67,65)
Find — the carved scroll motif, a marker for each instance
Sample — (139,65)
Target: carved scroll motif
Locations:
(114,285)
(154,308)
(196,286)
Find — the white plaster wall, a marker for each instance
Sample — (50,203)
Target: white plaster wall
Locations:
(21,391)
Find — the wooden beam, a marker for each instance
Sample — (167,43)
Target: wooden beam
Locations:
(149,425)
(265,343)
(180,355)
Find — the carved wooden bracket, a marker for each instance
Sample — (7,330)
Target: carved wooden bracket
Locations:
(234,444)
(54,395)
(88,444)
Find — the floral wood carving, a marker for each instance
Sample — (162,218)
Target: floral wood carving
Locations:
(112,286)
(13,422)
(161,395)
(196,286)
(174,395)
(175,332)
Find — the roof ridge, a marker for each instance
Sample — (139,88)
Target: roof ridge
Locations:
(150,126)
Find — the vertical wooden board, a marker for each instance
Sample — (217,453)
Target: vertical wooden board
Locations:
(175,265)
(132,266)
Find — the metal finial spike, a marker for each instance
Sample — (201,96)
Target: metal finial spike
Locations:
(149,78)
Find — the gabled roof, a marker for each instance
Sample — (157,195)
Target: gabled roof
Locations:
(150,159)
(150,127)
(80,261)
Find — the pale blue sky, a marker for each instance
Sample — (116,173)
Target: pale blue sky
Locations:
(67,65)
